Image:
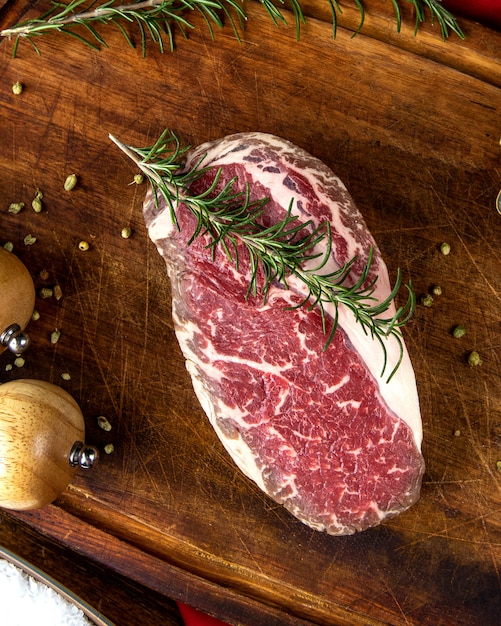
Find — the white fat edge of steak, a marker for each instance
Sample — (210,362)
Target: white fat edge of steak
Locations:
(400,393)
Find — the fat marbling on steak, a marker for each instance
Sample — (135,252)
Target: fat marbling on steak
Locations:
(321,432)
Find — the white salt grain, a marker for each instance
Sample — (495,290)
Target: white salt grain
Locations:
(25,601)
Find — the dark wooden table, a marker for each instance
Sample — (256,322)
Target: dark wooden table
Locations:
(412,126)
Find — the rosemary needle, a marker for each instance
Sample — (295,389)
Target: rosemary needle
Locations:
(228,218)
(156,19)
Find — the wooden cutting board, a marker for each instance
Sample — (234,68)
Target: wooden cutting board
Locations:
(412,126)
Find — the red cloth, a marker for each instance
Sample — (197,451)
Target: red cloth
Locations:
(486,12)
(192,617)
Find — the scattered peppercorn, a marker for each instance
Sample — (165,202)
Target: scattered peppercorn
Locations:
(55,335)
(35,315)
(36,203)
(15,207)
(459,331)
(17,88)
(138,179)
(58,292)
(109,448)
(83,245)
(427,300)
(9,246)
(43,274)
(498,466)
(126,233)
(19,362)
(474,359)
(103,423)
(46,292)
(437,290)
(70,182)
(65,376)
(445,248)
(29,240)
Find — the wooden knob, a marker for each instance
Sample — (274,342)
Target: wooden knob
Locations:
(40,424)
(17,296)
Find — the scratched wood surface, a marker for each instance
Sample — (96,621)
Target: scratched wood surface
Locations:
(412,127)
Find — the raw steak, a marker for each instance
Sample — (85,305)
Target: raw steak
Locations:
(321,432)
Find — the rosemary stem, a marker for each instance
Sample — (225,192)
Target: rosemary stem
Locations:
(140,163)
(101,13)
(152,175)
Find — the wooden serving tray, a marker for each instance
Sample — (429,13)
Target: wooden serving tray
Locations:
(412,126)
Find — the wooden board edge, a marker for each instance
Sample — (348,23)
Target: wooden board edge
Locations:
(180,584)
(477,55)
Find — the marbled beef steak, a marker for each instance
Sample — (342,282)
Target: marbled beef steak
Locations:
(321,432)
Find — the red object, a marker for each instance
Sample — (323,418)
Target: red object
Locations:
(192,617)
(487,12)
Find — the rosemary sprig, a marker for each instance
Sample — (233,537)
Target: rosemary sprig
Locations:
(229,219)
(158,19)
(438,12)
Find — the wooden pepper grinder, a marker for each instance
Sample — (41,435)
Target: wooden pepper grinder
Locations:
(41,425)
(41,443)
(17,300)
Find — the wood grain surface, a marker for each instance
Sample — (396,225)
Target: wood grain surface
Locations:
(412,126)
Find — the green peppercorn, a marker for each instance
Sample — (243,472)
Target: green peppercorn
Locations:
(46,292)
(103,423)
(36,203)
(458,331)
(70,182)
(15,207)
(427,300)
(445,248)
(474,359)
